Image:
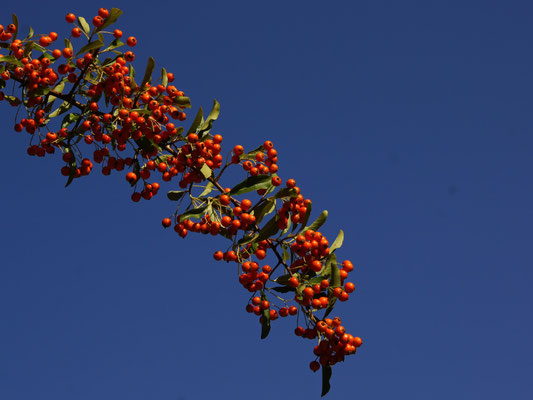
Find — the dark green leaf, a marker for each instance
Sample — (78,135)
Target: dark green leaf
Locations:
(84,26)
(326,376)
(338,242)
(148,72)
(269,230)
(90,46)
(72,174)
(284,289)
(283,279)
(197,121)
(146,144)
(193,213)
(175,195)
(114,13)
(251,184)
(265,325)
(68,44)
(262,209)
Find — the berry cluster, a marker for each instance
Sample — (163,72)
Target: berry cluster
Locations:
(108,118)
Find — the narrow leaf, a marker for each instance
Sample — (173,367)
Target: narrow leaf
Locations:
(251,184)
(11,60)
(318,222)
(193,213)
(338,242)
(16,23)
(207,190)
(114,13)
(175,195)
(90,46)
(285,192)
(326,376)
(84,26)
(213,115)
(115,44)
(164,77)
(262,209)
(283,289)
(148,72)
(197,121)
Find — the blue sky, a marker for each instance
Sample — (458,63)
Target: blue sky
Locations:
(409,121)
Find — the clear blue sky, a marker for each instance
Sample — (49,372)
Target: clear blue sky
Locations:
(410,121)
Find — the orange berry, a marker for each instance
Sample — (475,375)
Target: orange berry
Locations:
(131,41)
(70,18)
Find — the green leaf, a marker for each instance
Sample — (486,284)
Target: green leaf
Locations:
(175,195)
(30,33)
(285,255)
(132,78)
(263,209)
(164,77)
(72,173)
(283,279)
(318,222)
(84,26)
(338,242)
(269,230)
(331,264)
(90,46)
(193,213)
(251,154)
(197,121)
(265,324)
(207,190)
(115,44)
(11,60)
(16,23)
(68,44)
(58,89)
(213,115)
(114,14)
(182,101)
(13,100)
(326,376)
(283,289)
(206,171)
(64,107)
(148,72)
(146,144)
(286,192)
(69,119)
(251,184)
